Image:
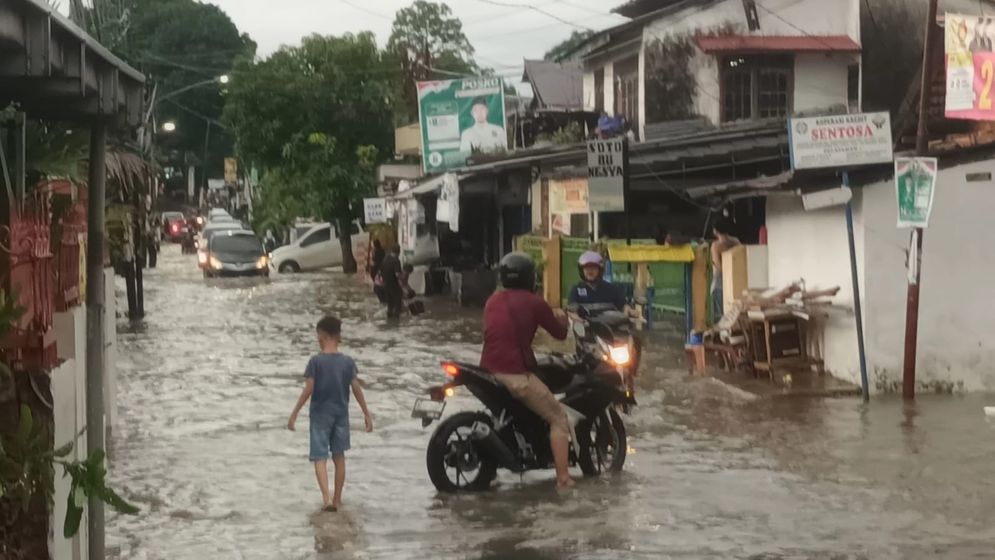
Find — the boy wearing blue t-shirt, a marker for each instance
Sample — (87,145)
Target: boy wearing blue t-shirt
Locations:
(329,376)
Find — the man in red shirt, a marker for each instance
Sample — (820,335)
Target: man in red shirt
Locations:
(511,319)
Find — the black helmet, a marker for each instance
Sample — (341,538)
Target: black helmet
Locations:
(517,272)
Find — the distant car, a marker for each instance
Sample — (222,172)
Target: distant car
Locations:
(318,248)
(209,231)
(218,214)
(174,226)
(235,253)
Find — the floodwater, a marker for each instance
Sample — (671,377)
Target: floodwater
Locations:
(207,381)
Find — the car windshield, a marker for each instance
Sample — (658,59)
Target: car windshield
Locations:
(247,245)
(170,216)
(209,233)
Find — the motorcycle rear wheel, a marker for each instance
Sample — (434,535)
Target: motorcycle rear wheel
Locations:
(455,463)
(602,444)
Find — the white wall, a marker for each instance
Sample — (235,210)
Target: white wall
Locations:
(956,314)
(69,411)
(821,81)
(589,101)
(610,88)
(813,246)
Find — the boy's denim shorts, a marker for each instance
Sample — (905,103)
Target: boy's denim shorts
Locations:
(329,435)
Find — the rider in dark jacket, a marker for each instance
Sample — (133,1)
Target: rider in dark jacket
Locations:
(592,288)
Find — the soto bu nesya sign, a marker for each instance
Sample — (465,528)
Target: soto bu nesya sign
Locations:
(840,140)
(606,175)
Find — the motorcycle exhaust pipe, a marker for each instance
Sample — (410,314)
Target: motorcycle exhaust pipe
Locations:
(492,444)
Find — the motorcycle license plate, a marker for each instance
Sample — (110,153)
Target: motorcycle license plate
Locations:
(428,409)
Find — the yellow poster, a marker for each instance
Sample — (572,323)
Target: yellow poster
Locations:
(231,171)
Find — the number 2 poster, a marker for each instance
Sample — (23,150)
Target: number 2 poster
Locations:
(970,67)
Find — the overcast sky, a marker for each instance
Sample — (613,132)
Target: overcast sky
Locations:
(502,36)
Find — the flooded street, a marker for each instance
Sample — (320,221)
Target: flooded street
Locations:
(207,381)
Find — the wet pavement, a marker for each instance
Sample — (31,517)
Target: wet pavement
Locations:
(207,381)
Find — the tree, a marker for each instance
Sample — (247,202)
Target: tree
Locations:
(316,119)
(176,44)
(892,35)
(567,46)
(426,43)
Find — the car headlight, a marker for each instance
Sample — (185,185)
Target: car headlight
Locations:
(620,355)
(263,262)
(215,263)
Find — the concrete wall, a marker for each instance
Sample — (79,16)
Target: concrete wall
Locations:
(956,319)
(69,410)
(820,79)
(956,316)
(813,246)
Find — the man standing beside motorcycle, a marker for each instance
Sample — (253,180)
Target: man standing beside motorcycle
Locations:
(511,318)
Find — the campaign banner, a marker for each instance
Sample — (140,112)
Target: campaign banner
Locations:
(915,187)
(231,171)
(970,67)
(459,118)
(840,140)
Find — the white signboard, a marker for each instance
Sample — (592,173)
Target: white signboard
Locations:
(447,209)
(375,210)
(606,175)
(840,140)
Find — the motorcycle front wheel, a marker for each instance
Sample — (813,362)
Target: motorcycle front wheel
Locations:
(602,444)
(455,462)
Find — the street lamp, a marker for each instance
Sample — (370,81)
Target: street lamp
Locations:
(169,126)
(224,79)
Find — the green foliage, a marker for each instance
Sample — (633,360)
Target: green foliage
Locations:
(426,43)
(316,118)
(569,134)
(27,460)
(175,43)
(566,48)
(670,83)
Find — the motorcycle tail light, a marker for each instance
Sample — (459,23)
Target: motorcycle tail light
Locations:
(452,370)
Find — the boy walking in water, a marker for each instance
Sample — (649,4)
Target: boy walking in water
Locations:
(330,375)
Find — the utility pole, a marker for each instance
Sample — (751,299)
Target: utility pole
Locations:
(915,245)
(95,322)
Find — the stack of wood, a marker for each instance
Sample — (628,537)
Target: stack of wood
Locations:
(776,328)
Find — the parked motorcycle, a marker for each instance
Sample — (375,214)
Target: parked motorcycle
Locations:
(467,448)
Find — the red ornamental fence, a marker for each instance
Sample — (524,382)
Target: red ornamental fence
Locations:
(28,256)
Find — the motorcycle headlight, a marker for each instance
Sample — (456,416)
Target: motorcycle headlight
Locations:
(263,262)
(215,263)
(620,355)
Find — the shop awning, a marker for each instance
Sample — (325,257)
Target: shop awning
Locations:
(427,186)
(650,253)
(718,44)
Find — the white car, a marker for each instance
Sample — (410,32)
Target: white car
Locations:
(318,248)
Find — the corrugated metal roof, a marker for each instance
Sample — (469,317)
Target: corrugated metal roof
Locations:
(557,86)
(776,43)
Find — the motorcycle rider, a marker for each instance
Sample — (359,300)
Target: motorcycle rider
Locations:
(511,318)
(592,288)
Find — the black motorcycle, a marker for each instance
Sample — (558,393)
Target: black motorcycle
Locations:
(467,448)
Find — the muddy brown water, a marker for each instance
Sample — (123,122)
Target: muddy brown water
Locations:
(207,381)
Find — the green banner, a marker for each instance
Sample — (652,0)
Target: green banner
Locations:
(915,186)
(460,118)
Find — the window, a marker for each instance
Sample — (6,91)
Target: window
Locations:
(756,87)
(599,90)
(627,90)
(319,236)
